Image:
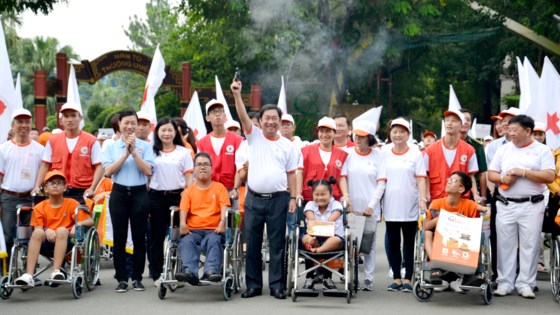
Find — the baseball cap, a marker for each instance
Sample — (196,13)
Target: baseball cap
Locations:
(142,116)
(539,126)
(213,102)
(428,134)
(363,128)
(327,122)
(513,111)
(288,117)
(456,113)
(488,138)
(401,122)
(21,112)
(71,106)
(52,174)
(230,123)
(496,117)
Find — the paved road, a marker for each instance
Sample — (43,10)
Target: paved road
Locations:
(209,300)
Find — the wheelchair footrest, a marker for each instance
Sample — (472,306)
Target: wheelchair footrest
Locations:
(335,292)
(307,292)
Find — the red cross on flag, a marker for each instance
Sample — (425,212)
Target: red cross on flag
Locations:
(549,99)
(193,117)
(155,78)
(7,93)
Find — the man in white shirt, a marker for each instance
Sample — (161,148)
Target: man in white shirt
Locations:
(272,166)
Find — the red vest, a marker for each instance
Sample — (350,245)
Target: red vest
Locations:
(76,166)
(223,165)
(315,169)
(439,172)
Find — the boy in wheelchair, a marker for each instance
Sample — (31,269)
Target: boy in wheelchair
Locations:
(53,226)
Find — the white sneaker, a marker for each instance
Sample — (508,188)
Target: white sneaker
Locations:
(443,287)
(500,292)
(528,294)
(57,275)
(26,279)
(157,282)
(455,285)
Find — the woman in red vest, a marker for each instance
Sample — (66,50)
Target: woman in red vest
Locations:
(321,161)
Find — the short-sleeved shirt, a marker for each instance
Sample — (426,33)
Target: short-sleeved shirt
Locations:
(465,207)
(71,144)
(401,198)
(535,156)
(480,155)
(493,147)
(203,206)
(19,164)
(128,174)
(324,217)
(170,169)
(270,161)
(46,216)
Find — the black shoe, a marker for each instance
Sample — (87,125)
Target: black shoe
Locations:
(278,294)
(138,286)
(309,284)
(251,293)
(212,276)
(122,287)
(187,276)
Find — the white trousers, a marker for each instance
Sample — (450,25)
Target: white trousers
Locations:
(369,259)
(518,226)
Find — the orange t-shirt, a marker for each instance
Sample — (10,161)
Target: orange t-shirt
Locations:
(52,218)
(44,137)
(105,186)
(203,207)
(465,207)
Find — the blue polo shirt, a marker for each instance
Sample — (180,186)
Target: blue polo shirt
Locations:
(128,174)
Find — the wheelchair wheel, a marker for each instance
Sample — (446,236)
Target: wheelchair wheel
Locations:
(289,263)
(294,295)
(228,288)
(356,265)
(418,254)
(555,269)
(5,292)
(422,294)
(238,262)
(161,290)
(77,287)
(487,293)
(91,259)
(175,268)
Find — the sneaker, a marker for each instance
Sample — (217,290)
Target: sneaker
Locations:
(500,292)
(157,282)
(122,287)
(37,282)
(309,284)
(406,287)
(187,276)
(26,280)
(57,275)
(527,293)
(444,285)
(138,286)
(212,276)
(394,287)
(455,286)
(328,284)
(368,285)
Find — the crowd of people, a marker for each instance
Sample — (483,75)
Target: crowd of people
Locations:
(262,167)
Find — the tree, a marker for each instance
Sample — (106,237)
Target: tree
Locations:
(36,6)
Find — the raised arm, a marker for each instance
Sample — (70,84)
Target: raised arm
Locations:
(240,107)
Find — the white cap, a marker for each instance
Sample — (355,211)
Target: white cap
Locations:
(539,126)
(21,112)
(56,130)
(401,122)
(142,116)
(513,111)
(364,128)
(288,117)
(102,136)
(456,113)
(230,123)
(213,102)
(488,138)
(327,122)
(71,106)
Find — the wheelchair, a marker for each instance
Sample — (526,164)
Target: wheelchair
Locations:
(480,281)
(233,265)
(84,258)
(345,259)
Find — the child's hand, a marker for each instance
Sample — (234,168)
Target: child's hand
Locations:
(51,235)
(73,231)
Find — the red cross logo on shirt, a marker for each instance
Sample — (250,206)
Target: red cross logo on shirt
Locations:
(2,107)
(552,123)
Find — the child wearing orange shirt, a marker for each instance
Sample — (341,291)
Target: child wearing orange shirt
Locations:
(53,221)
(458,184)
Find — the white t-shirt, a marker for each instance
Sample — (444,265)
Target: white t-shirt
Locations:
(20,165)
(270,161)
(401,198)
(170,169)
(71,144)
(241,155)
(217,143)
(362,173)
(324,217)
(535,156)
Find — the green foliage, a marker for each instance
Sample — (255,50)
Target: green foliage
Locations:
(35,6)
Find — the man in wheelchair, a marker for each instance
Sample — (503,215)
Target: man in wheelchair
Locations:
(53,225)
(203,211)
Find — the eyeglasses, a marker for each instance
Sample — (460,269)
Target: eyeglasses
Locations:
(217,111)
(203,165)
(56,182)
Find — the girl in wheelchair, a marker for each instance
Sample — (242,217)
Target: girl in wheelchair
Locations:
(53,225)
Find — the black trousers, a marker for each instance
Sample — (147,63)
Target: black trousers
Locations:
(273,212)
(129,204)
(408,230)
(159,222)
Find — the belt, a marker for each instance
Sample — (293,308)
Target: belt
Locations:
(17,194)
(129,188)
(519,200)
(262,195)
(166,192)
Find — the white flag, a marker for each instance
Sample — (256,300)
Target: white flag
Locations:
(73,93)
(371,115)
(153,82)
(17,90)
(453,100)
(282,98)
(472,131)
(220,97)
(442,129)
(411,136)
(8,100)
(549,98)
(193,117)
(532,80)
(524,94)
